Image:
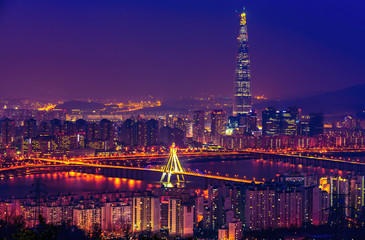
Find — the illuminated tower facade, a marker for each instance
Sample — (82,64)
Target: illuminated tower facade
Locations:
(242,85)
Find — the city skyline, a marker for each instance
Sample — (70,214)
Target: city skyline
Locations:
(142,120)
(95,50)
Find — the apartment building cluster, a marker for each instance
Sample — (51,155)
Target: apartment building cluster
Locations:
(226,210)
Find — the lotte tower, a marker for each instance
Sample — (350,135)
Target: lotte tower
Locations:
(242,84)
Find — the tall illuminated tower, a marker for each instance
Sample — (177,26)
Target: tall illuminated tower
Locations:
(242,85)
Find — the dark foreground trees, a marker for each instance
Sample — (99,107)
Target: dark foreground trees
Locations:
(14,229)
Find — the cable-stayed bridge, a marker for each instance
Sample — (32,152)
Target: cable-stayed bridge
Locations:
(172,169)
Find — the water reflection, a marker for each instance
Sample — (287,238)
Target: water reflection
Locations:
(83,182)
(70,182)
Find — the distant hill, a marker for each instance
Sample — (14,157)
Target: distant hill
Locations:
(348,100)
(80,105)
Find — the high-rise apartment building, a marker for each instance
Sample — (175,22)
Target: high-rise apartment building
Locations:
(174,216)
(30,128)
(198,125)
(180,218)
(87,218)
(235,230)
(106,130)
(260,208)
(242,85)
(357,196)
(152,132)
(140,129)
(7,132)
(146,213)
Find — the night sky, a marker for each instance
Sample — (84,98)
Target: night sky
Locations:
(167,48)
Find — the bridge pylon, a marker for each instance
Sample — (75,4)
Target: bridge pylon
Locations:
(173,167)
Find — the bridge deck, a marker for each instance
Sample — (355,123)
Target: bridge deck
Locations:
(58,163)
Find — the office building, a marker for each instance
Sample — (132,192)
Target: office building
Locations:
(316,124)
(271,121)
(218,120)
(7,132)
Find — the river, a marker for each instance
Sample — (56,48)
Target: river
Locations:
(65,182)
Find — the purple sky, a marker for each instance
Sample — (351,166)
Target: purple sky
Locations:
(166,48)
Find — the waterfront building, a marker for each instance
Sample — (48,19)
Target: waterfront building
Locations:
(67,141)
(140,129)
(30,128)
(87,218)
(260,208)
(188,216)
(289,208)
(115,216)
(152,133)
(271,119)
(316,124)
(126,133)
(92,133)
(180,218)
(316,206)
(198,125)
(284,205)
(216,204)
(7,132)
(338,189)
(217,122)
(146,213)
(106,131)
(174,217)
(289,121)
(57,214)
(276,122)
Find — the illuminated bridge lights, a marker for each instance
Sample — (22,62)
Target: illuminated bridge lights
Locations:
(52,162)
(300,155)
(173,167)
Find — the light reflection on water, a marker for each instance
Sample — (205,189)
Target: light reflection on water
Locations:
(258,169)
(65,182)
(76,182)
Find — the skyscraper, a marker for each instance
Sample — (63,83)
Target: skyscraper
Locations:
(218,118)
(242,85)
(7,132)
(198,125)
(146,213)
